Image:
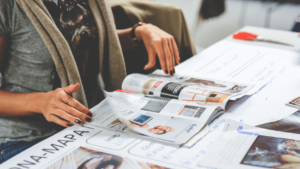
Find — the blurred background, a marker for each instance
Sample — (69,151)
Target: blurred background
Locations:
(212,20)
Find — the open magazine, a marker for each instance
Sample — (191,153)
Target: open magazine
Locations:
(167,109)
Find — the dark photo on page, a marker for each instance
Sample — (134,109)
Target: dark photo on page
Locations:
(171,90)
(155,104)
(273,152)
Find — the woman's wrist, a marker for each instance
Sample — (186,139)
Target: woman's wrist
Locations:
(39,102)
(139,31)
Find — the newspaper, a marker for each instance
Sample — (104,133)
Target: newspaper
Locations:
(243,146)
(165,120)
(84,148)
(192,89)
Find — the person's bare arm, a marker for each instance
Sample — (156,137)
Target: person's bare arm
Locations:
(51,104)
(157,42)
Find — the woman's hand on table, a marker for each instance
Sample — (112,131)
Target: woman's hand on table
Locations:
(59,107)
(160,43)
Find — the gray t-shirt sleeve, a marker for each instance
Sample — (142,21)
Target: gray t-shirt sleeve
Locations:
(6,17)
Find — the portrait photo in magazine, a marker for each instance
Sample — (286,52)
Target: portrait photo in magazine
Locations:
(236,89)
(273,152)
(84,158)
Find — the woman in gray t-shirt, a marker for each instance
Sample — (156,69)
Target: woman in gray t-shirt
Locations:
(32,104)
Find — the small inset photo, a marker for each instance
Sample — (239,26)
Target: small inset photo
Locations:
(192,111)
(273,152)
(84,158)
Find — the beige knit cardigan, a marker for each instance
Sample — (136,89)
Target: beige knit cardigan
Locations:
(112,65)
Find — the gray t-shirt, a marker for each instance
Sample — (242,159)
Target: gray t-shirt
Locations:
(28,67)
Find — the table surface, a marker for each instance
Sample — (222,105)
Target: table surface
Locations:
(265,106)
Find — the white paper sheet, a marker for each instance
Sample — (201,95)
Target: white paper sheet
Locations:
(233,61)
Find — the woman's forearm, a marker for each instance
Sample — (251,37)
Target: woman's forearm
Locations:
(20,104)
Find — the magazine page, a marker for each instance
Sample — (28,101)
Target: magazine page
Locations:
(84,148)
(116,113)
(184,88)
(175,108)
(290,124)
(243,146)
(170,107)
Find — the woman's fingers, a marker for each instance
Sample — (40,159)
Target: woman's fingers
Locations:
(161,56)
(172,54)
(175,49)
(67,117)
(74,112)
(76,105)
(56,119)
(151,59)
(168,56)
(71,88)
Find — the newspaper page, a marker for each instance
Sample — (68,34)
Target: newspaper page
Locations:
(183,88)
(166,120)
(83,148)
(243,146)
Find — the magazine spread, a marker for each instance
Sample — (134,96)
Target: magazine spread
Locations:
(243,146)
(170,109)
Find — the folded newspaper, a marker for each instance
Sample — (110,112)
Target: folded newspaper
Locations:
(172,110)
(243,146)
